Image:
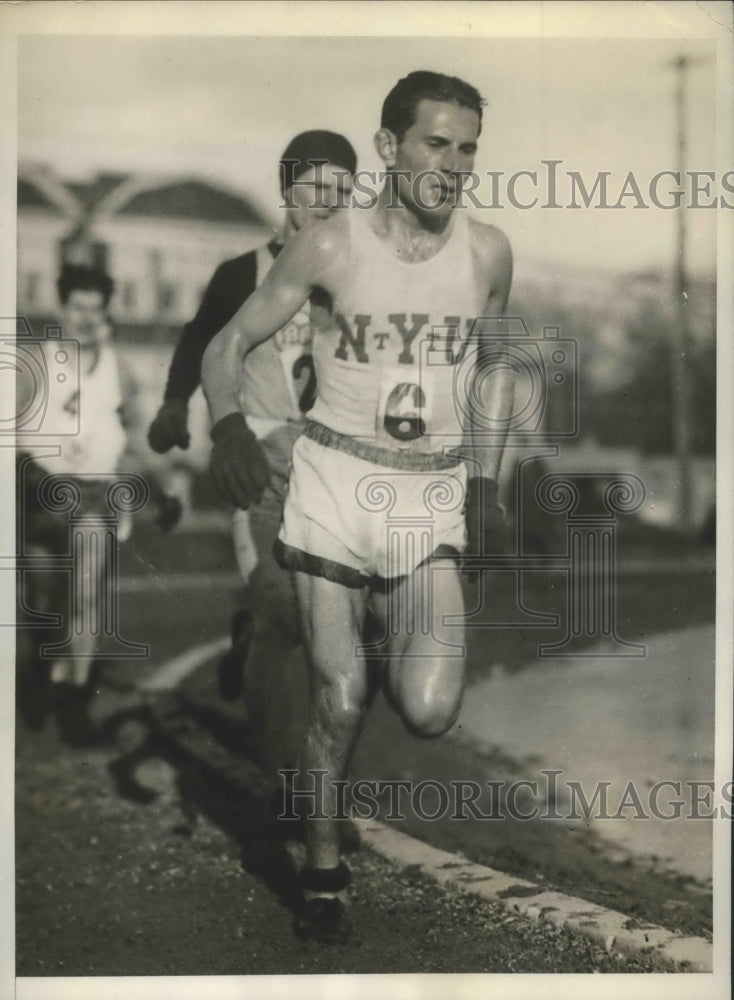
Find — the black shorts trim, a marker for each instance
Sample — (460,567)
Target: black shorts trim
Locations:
(389,458)
(304,562)
(290,558)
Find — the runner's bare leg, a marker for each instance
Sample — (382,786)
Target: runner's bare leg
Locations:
(424,678)
(332,620)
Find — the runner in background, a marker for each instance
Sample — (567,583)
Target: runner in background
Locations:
(88,435)
(276,387)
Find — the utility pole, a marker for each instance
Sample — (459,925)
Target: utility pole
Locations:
(681,395)
(681,341)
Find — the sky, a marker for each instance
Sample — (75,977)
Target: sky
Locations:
(224,108)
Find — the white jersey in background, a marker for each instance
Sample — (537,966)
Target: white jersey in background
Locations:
(277,376)
(93,407)
(278,386)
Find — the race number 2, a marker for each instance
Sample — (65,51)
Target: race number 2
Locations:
(304,365)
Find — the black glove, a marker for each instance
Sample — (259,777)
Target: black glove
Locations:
(238,464)
(169,427)
(485,519)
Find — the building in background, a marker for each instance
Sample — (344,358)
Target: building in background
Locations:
(159,237)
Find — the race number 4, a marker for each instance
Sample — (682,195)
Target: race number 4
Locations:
(71,405)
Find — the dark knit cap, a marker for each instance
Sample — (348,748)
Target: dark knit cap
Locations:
(319,146)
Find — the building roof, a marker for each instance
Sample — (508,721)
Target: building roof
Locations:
(90,193)
(31,195)
(192,200)
(124,194)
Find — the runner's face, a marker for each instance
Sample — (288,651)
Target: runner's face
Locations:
(84,317)
(440,145)
(317,193)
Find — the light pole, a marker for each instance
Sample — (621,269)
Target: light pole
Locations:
(681,395)
(681,341)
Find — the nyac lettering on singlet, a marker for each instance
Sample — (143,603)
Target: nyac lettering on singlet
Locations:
(386,361)
(445,339)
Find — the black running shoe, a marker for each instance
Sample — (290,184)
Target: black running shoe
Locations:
(231,669)
(323,919)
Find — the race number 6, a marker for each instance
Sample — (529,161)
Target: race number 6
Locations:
(403,419)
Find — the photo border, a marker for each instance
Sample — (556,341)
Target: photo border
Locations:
(457,19)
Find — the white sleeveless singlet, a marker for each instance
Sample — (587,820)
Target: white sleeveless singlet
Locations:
(83,419)
(386,366)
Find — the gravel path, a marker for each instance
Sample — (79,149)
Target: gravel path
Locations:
(190,884)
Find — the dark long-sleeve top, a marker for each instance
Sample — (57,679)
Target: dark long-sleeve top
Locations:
(232,283)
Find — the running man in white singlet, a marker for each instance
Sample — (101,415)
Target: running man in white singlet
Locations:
(85,438)
(377,488)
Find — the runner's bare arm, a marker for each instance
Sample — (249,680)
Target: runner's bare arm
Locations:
(287,286)
(495,392)
(282,293)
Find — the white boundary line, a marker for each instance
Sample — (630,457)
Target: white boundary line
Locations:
(173,671)
(607,927)
(178,581)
